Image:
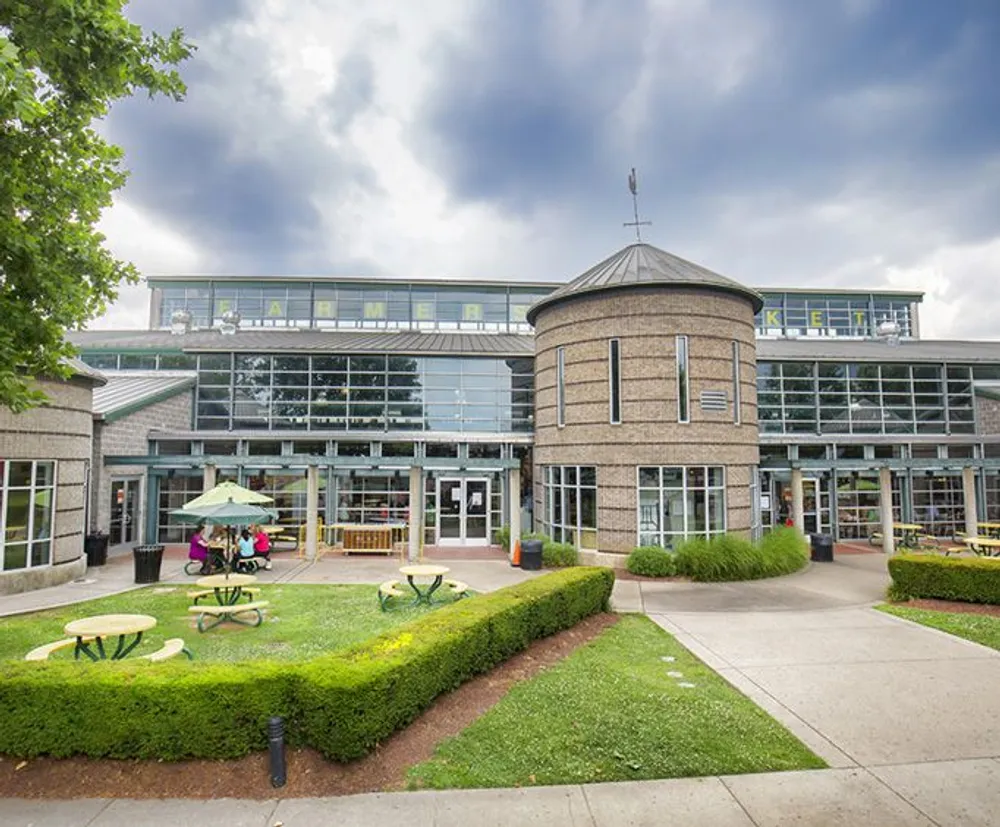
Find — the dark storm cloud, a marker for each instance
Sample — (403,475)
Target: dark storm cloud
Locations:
(229,168)
(194,16)
(902,98)
(517,120)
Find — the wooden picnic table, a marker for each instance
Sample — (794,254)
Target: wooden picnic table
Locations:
(99,627)
(424,571)
(983,546)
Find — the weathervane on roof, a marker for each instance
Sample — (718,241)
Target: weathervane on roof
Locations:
(633,188)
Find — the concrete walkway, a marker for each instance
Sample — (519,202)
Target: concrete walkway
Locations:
(906,717)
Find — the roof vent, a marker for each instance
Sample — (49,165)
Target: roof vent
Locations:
(230,323)
(180,321)
(888,332)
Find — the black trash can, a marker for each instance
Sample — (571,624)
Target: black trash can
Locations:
(95,546)
(822,548)
(531,555)
(147,563)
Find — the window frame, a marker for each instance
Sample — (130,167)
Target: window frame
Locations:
(682,364)
(614,381)
(33,490)
(561,387)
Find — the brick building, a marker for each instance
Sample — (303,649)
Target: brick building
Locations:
(689,404)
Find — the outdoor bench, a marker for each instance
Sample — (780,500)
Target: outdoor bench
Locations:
(229,612)
(390,588)
(457,587)
(43,652)
(249,593)
(173,646)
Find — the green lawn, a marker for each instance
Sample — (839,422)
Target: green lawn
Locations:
(983,629)
(610,712)
(302,621)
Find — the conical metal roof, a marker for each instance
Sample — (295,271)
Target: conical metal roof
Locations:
(643,265)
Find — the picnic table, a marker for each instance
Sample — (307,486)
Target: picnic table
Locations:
(990,529)
(424,595)
(228,588)
(908,533)
(983,546)
(95,629)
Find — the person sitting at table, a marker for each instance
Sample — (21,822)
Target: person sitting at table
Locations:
(261,544)
(198,548)
(245,545)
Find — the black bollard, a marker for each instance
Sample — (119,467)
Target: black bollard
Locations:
(276,747)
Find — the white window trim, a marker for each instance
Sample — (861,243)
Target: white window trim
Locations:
(684,468)
(30,528)
(614,391)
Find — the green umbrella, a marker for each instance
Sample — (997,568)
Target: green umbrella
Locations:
(228,513)
(226,492)
(224,513)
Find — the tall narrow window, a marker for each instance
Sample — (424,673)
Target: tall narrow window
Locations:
(561,387)
(615,381)
(683,395)
(737,396)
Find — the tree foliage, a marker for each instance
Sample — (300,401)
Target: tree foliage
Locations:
(62,64)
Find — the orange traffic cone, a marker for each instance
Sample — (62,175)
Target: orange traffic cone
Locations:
(515,559)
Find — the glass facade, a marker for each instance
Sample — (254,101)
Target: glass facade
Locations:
(27,506)
(349,305)
(680,502)
(364,393)
(834,315)
(864,398)
(569,504)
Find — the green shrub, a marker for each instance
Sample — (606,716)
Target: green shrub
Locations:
(785,550)
(502,537)
(651,561)
(559,555)
(733,557)
(969,579)
(343,704)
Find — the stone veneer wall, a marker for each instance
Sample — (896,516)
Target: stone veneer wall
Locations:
(130,436)
(645,320)
(59,431)
(988,415)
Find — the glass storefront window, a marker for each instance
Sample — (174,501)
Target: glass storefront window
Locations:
(677,502)
(27,505)
(569,504)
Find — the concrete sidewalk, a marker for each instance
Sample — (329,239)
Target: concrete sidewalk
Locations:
(906,717)
(919,795)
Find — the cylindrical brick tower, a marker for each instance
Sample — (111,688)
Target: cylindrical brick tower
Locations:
(645,405)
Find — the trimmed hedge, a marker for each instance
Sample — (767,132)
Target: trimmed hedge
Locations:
(343,704)
(969,579)
(651,561)
(732,557)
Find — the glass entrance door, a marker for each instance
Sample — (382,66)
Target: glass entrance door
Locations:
(124,512)
(463,511)
(813,506)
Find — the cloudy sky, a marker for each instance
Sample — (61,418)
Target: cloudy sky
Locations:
(842,143)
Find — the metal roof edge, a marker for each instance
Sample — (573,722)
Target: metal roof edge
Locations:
(114,414)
